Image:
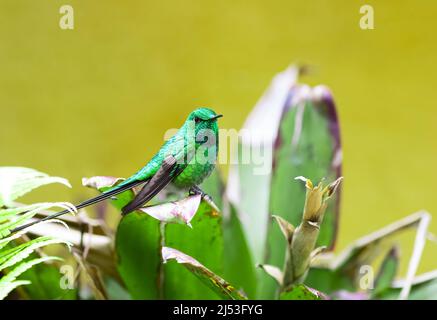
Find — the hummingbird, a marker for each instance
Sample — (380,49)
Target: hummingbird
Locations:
(184,161)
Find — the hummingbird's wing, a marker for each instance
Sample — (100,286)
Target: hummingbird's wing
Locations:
(165,174)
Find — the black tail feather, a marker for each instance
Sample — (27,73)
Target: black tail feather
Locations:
(86,203)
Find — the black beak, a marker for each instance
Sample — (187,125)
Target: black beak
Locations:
(216,117)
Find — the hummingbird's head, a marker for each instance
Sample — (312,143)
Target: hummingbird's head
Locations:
(204,118)
(203,115)
(202,125)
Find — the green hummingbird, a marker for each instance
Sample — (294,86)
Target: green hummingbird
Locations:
(184,161)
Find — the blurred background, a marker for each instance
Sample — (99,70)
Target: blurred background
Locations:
(98,99)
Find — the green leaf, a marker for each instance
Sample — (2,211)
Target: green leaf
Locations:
(294,131)
(424,291)
(5,241)
(286,228)
(17,181)
(115,290)
(387,272)
(138,250)
(7,287)
(139,240)
(15,260)
(239,267)
(14,255)
(14,219)
(23,267)
(205,242)
(424,288)
(329,281)
(343,271)
(140,233)
(307,144)
(301,292)
(222,288)
(273,272)
(8,214)
(249,179)
(45,283)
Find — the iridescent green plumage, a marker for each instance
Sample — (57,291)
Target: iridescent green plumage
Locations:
(184,146)
(194,149)
(185,160)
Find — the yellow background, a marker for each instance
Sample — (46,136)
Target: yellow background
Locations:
(97,99)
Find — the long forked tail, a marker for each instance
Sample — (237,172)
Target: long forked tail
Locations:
(89,202)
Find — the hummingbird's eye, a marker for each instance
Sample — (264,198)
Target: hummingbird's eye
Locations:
(197,119)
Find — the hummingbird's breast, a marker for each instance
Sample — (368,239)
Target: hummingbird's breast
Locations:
(198,169)
(194,174)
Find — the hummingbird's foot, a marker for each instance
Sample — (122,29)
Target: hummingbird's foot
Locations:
(208,199)
(196,190)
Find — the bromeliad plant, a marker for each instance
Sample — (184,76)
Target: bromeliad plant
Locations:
(188,249)
(301,241)
(298,129)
